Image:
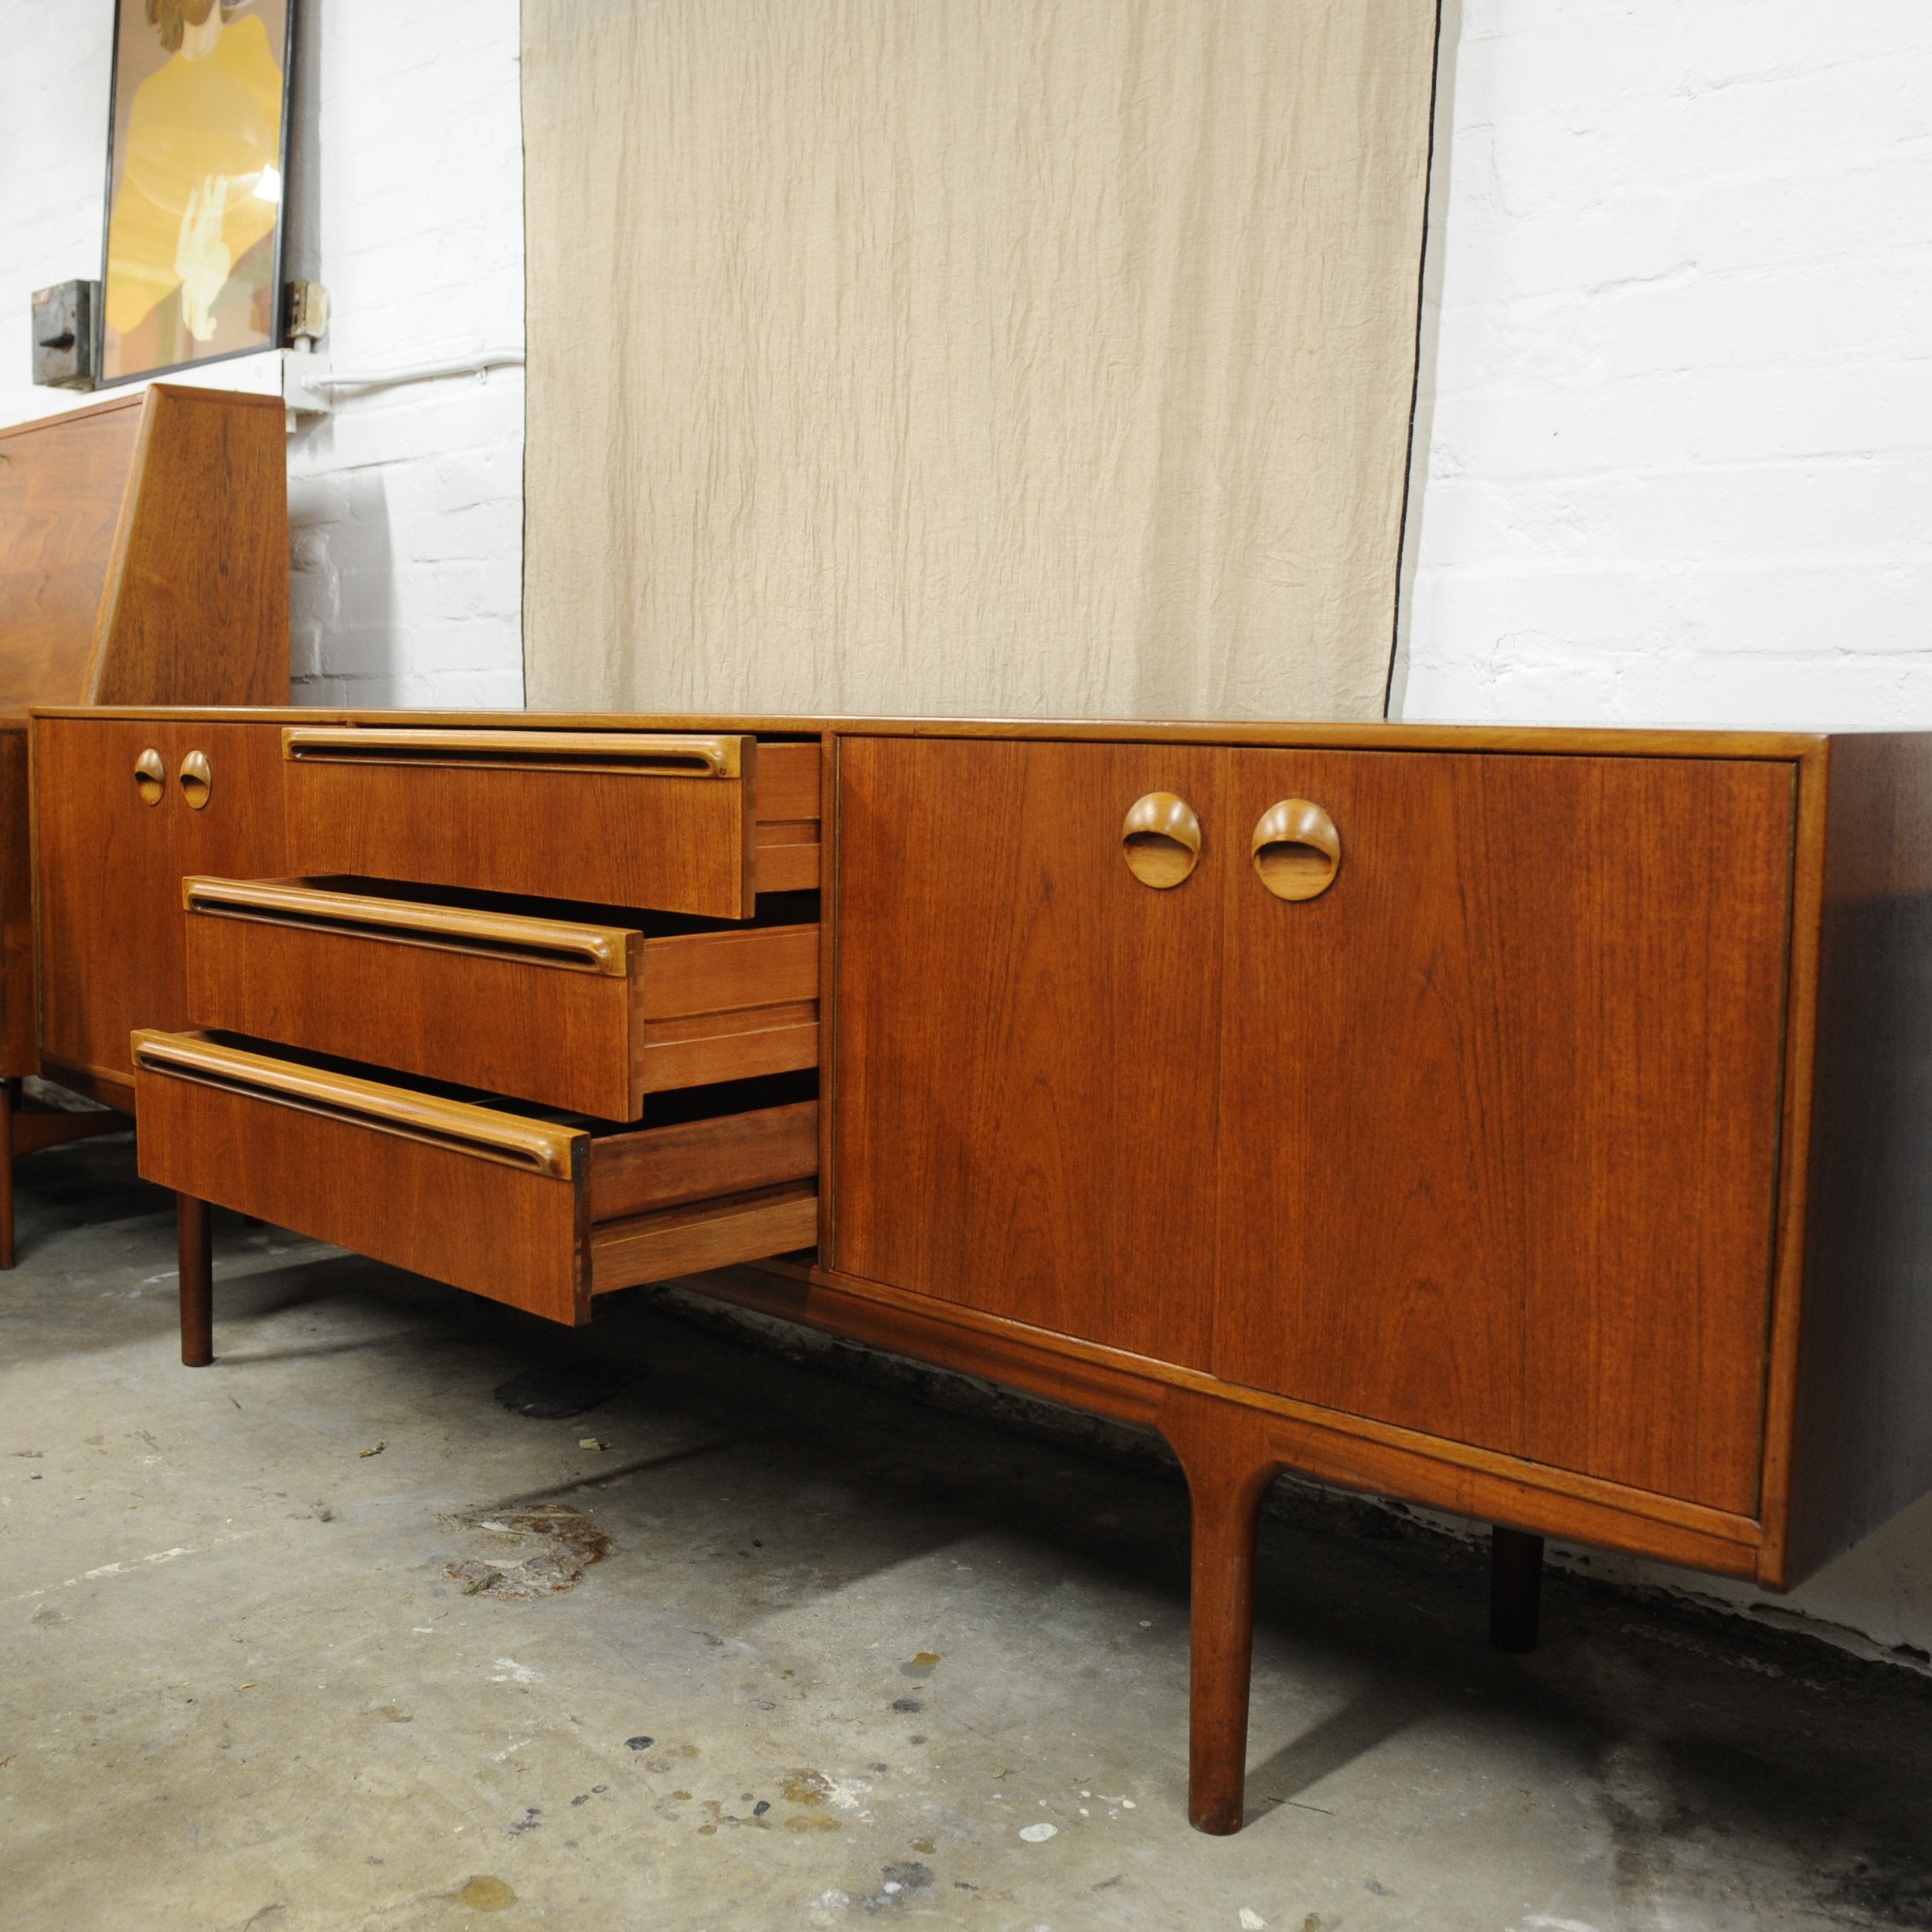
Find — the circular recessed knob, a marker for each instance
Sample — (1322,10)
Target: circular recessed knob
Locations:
(1297,849)
(196,781)
(1161,839)
(150,777)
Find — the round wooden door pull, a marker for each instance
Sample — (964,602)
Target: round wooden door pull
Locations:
(1297,852)
(1161,840)
(150,777)
(197,780)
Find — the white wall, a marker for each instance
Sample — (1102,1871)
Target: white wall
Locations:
(1678,404)
(406,504)
(1676,431)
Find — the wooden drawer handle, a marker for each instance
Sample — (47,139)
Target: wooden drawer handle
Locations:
(151,776)
(558,943)
(197,780)
(534,1146)
(653,754)
(1297,852)
(1161,840)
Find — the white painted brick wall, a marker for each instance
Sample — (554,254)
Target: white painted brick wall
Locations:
(1679,430)
(406,504)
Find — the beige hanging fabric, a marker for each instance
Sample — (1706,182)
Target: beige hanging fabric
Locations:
(1018,357)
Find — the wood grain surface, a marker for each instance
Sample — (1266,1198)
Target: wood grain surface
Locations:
(706,1234)
(718,1153)
(110,869)
(1499,1109)
(20,1043)
(1028,1035)
(515,1236)
(687,1008)
(1352,1451)
(1581,741)
(1489,1129)
(61,483)
(195,609)
(681,844)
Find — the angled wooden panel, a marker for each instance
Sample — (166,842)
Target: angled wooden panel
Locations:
(1027,1038)
(63,482)
(1500,1108)
(196,606)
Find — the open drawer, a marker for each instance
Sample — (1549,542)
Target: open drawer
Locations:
(685,822)
(543,1214)
(585,1008)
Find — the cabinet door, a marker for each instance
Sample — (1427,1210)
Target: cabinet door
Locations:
(1500,1108)
(1026,1038)
(240,829)
(111,865)
(106,859)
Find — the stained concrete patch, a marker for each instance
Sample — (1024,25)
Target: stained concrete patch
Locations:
(554,1391)
(524,1553)
(484,1894)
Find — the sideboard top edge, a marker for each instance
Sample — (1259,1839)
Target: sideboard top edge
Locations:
(1624,741)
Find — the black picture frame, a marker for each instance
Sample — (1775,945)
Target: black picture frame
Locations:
(135,11)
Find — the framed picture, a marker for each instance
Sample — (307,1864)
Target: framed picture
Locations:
(197,153)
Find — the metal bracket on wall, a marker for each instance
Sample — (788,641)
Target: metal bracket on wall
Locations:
(63,335)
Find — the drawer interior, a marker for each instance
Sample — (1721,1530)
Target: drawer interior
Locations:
(674,1118)
(588,1006)
(535,1206)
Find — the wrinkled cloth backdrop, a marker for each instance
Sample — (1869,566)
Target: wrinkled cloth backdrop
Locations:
(1023,357)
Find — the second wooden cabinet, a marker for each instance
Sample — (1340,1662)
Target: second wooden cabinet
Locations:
(1480,1141)
(126,808)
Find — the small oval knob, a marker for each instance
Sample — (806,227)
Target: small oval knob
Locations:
(1161,840)
(1297,852)
(151,776)
(196,781)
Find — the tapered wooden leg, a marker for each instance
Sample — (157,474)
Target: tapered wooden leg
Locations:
(7,1091)
(1226,1476)
(1515,1588)
(197,1260)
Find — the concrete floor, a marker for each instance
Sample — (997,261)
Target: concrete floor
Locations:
(849,1656)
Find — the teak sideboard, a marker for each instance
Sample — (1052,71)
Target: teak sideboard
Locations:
(1527,1124)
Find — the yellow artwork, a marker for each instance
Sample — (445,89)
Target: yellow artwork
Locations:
(195,190)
